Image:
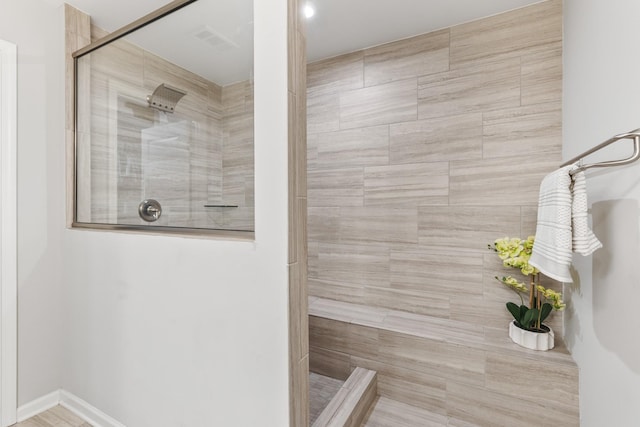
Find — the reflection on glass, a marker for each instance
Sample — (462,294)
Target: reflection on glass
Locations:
(161,116)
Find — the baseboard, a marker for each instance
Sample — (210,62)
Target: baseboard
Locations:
(81,408)
(87,412)
(38,405)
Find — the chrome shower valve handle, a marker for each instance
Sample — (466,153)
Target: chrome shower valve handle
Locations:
(150,210)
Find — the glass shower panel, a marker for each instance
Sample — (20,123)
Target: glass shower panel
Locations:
(159,144)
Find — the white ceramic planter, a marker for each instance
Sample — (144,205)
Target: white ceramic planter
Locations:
(532,340)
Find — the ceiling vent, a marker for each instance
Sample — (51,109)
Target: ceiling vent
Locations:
(214,39)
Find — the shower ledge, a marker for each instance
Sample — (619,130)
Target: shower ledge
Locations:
(433,328)
(459,370)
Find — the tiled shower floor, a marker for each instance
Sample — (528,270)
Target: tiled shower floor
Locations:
(321,391)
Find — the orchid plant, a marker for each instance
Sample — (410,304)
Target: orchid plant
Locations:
(515,253)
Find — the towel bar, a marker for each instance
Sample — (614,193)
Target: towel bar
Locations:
(634,134)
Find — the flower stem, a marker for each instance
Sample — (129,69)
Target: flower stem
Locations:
(531,292)
(538,301)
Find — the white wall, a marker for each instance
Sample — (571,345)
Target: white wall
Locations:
(37,29)
(169,331)
(602,93)
(154,331)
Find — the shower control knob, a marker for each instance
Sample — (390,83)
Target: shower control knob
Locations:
(149,210)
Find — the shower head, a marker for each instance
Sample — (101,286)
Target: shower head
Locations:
(165,98)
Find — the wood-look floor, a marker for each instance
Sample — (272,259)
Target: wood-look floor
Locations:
(321,391)
(54,417)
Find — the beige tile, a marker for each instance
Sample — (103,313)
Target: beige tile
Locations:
(97,33)
(467,308)
(119,60)
(301,152)
(445,272)
(383,104)
(336,187)
(486,86)
(527,132)
(300,73)
(298,346)
(438,272)
(506,33)
(292,181)
(330,363)
(343,337)
(436,140)
(321,390)
(350,404)
(497,340)
(423,390)
(412,57)
(354,263)
(458,423)
(336,290)
(323,112)
(329,334)
(337,74)
(326,418)
(468,229)
(356,314)
(368,390)
(507,181)
(542,75)
(378,224)
(299,392)
(407,185)
(503,372)
(388,412)
(368,146)
(430,304)
(457,363)
(435,329)
(529,221)
(492,409)
(323,224)
(312,150)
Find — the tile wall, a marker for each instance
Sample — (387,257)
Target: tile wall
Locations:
(423,151)
(297,200)
(200,154)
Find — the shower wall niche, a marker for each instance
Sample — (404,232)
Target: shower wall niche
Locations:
(159,118)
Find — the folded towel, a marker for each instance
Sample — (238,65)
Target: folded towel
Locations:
(584,241)
(552,248)
(562,224)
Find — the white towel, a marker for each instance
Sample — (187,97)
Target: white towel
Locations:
(552,248)
(562,224)
(584,241)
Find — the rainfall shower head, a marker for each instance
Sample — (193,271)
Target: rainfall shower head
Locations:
(165,98)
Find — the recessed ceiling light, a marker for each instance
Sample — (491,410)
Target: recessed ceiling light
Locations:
(308,11)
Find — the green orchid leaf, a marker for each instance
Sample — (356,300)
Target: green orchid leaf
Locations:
(514,310)
(523,311)
(545,311)
(530,317)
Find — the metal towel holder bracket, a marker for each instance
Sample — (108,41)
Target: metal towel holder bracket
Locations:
(634,134)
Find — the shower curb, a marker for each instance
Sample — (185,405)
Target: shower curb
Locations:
(351,403)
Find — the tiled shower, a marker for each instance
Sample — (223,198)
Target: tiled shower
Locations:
(193,160)
(420,153)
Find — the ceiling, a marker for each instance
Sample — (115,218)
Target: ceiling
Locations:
(338,26)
